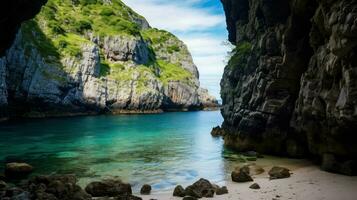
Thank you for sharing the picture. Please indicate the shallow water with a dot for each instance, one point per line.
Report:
(159, 149)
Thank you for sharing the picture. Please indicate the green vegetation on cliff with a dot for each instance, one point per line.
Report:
(64, 27)
(240, 55)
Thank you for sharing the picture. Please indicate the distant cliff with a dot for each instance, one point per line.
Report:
(80, 57)
(291, 85)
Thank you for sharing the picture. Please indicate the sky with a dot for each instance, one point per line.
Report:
(200, 24)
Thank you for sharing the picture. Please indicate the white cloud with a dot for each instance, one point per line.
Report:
(200, 28)
(175, 15)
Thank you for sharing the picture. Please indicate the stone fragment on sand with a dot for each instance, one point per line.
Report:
(241, 176)
(145, 189)
(179, 191)
(254, 186)
(251, 168)
(109, 187)
(201, 188)
(222, 190)
(279, 173)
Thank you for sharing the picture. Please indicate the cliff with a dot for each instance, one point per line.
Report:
(290, 86)
(80, 57)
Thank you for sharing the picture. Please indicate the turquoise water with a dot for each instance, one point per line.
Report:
(159, 149)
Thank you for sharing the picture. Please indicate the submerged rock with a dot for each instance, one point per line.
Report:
(254, 186)
(18, 170)
(145, 189)
(179, 191)
(279, 173)
(109, 187)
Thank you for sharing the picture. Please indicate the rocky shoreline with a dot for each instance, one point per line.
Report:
(15, 184)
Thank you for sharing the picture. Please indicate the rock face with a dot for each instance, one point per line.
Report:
(110, 61)
(290, 85)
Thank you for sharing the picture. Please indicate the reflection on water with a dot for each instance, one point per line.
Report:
(160, 149)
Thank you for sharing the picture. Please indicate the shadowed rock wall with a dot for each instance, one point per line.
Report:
(290, 86)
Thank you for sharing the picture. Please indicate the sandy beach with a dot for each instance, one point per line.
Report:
(307, 182)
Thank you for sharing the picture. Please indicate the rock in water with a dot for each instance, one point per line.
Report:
(217, 131)
(179, 191)
(279, 173)
(145, 189)
(241, 176)
(18, 170)
(254, 186)
(222, 190)
(109, 187)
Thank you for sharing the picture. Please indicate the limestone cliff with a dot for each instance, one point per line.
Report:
(290, 86)
(80, 57)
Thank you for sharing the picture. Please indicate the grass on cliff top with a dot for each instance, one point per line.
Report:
(173, 72)
(78, 16)
(240, 54)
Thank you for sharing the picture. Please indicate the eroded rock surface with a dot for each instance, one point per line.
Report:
(289, 88)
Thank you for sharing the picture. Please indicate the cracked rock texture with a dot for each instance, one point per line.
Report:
(290, 87)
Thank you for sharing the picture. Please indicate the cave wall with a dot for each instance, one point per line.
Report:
(12, 14)
(290, 86)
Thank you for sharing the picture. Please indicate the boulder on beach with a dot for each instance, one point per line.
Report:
(279, 173)
(242, 175)
(255, 186)
(179, 191)
(17, 170)
(109, 187)
(251, 168)
(201, 188)
(145, 189)
(54, 187)
(221, 190)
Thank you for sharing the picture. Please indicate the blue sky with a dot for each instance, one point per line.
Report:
(199, 23)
